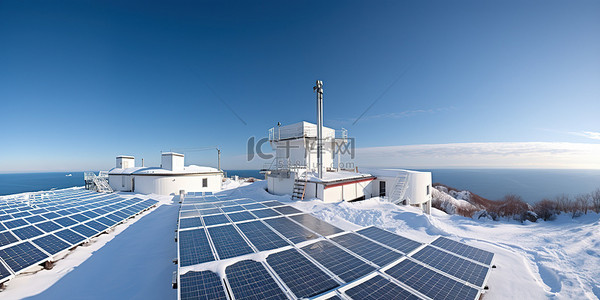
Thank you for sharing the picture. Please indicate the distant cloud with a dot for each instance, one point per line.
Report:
(483, 155)
(588, 134)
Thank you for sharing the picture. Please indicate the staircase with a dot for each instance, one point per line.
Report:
(299, 189)
(399, 189)
(102, 185)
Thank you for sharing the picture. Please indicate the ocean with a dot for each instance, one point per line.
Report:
(532, 185)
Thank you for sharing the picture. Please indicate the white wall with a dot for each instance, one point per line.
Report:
(170, 185)
(124, 162)
(172, 161)
(280, 185)
(120, 183)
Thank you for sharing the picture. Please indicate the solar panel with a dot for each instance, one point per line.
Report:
(15, 223)
(190, 223)
(464, 250)
(96, 225)
(210, 211)
(241, 216)
(253, 206)
(376, 253)
(249, 279)
(84, 230)
(379, 288)
(287, 210)
(429, 282)
(389, 239)
(51, 215)
(4, 272)
(204, 285)
(261, 236)
(193, 247)
(51, 244)
(35, 219)
(21, 255)
(7, 238)
(80, 217)
(228, 242)
(265, 213)
(292, 231)
(321, 227)
(66, 221)
(245, 201)
(106, 221)
(48, 226)
(215, 220)
(232, 208)
(272, 203)
(453, 265)
(70, 236)
(27, 232)
(302, 277)
(341, 263)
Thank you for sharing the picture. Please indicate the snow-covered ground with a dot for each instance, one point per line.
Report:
(556, 259)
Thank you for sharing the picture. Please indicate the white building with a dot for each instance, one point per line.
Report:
(294, 171)
(170, 178)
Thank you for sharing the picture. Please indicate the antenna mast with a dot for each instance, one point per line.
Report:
(319, 89)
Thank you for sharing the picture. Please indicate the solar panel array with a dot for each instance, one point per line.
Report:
(275, 251)
(37, 228)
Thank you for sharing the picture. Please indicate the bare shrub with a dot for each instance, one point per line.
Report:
(466, 211)
(564, 203)
(545, 209)
(582, 204)
(511, 206)
(595, 195)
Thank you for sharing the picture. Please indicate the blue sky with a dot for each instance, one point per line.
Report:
(84, 81)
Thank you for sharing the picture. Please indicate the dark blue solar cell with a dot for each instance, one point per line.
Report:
(15, 223)
(241, 216)
(38, 211)
(232, 208)
(203, 206)
(253, 206)
(7, 238)
(115, 217)
(272, 203)
(250, 280)
(390, 239)
(5, 217)
(215, 220)
(265, 213)
(453, 265)
(228, 242)
(21, 256)
(70, 236)
(204, 285)
(79, 217)
(51, 215)
(48, 226)
(376, 253)
(63, 212)
(51, 244)
(287, 210)
(339, 262)
(96, 225)
(190, 223)
(193, 247)
(35, 219)
(261, 236)
(122, 214)
(27, 232)
(429, 282)
(321, 227)
(379, 288)
(292, 231)
(464, 250)
(303, 277)
(66, 221)
(84, 230)
(106, 221)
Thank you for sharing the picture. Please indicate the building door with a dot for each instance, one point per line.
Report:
(132, 184)
(382, 188)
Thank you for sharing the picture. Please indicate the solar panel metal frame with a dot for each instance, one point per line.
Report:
(261, 286)
(382, 236)
(379, 259)
(451, 246)
(388, 283)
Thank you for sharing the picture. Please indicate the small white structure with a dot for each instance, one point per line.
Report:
(169, 179)
(405, 187)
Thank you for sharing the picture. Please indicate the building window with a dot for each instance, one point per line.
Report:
(382, 188)
(204, 182)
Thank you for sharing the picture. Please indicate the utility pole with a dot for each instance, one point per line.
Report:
(319, 89)
(219, 158)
